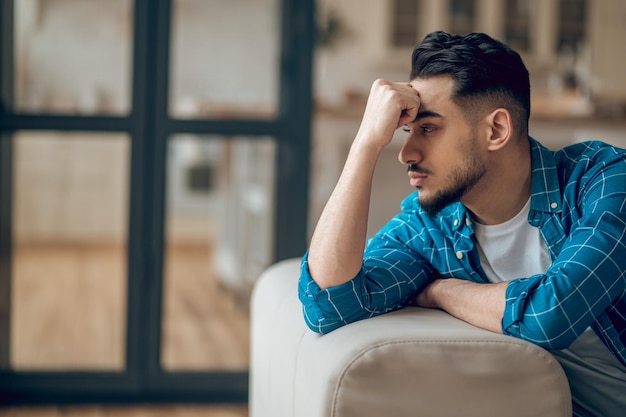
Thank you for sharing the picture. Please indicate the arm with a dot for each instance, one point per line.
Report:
(393, 272)
(585, 279)
(336, 251)
(481, 305)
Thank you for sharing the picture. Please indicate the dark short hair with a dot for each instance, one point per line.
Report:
(486, 72)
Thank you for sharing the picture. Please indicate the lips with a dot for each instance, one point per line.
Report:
(417, 174)
(416, 179)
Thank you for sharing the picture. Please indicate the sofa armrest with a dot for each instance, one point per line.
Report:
(410, 362)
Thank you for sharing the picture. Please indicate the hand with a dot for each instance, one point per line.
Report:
(389, 106)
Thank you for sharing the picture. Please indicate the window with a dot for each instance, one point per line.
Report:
(572, 24)
(461, 16)
(404, 23)
(517, 19)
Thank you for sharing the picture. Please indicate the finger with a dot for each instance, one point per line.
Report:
(409, 112)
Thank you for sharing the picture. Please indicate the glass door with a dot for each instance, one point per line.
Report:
(153, 161)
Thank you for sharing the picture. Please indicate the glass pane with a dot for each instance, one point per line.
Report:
(73, 56)
(219, 238)
(572, 25)
(516, 24)
(573, 53)
(70, 209)
(404, 25)
(461, 16)
(212, 78)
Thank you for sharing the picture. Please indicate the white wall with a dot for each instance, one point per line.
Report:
(225, 56)
(71, 187)
(70, 61)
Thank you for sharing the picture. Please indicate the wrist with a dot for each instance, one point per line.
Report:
(368, 140)
(428, 297)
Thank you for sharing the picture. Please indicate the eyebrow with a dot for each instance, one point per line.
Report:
(426, 113)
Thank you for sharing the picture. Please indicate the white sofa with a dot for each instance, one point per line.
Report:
(412, 362)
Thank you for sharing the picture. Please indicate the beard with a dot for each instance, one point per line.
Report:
(461, 179)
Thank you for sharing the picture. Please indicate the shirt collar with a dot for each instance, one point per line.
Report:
(545, 189)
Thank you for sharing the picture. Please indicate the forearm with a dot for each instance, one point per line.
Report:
(338, 242)
(336, 250)
(481, 305)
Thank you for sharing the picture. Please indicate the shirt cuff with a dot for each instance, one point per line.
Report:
(327, 309)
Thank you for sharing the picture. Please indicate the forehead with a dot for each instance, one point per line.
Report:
(435, 93)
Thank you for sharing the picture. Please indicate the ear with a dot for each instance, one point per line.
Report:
(500, 128)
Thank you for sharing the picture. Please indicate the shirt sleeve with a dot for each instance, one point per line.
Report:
(389, 279)
(587, 276)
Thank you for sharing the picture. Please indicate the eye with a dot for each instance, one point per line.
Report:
(406, 129)
(427, 128)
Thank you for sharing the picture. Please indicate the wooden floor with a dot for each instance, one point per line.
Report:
(117, 411)
(205, 325)
(68, 313)
(69, 310)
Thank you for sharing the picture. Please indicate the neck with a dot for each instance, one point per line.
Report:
(505, 188)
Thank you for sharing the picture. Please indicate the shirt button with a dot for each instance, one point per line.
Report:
(468, 222)
(459, 255)
(554, 205)
(456, 222)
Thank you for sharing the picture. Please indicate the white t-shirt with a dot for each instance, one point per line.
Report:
(513, 249)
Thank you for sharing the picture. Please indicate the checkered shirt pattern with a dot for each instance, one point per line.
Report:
(578, 202)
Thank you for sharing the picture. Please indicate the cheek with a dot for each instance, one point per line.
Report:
(450, 160)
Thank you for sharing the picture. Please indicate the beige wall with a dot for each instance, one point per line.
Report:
(607, 28)
(365, 54)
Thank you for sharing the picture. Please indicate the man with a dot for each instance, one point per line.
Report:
(501, 232)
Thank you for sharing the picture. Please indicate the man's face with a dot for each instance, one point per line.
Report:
(443, 153)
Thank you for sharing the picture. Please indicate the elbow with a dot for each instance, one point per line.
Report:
(559, 335)
(318, 322)
(551, 336)
(535, 312)
(321, 314)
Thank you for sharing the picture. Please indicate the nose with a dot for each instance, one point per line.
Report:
(410, 152)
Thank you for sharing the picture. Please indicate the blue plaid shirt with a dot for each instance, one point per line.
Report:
(578, 202)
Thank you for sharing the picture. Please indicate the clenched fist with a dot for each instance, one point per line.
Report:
(389, 106)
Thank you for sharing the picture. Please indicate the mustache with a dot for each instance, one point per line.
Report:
(418, 169)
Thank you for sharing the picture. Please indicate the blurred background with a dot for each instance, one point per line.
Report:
(158, 155)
